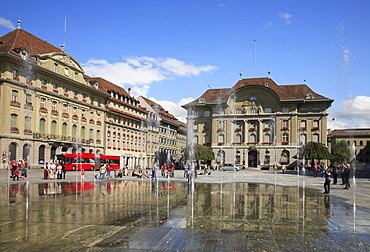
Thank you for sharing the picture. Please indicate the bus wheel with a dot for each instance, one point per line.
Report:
(74, 168)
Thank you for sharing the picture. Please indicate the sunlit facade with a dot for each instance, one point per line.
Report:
(50, 106)
(258, 123)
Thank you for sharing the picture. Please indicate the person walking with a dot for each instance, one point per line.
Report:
(64, 169)
(347, 173)
(186, 170)
(327, 174)
(16, 174)
(46, 171)
(154, 171)
(335, 173)
(82, 174)
(343, 173)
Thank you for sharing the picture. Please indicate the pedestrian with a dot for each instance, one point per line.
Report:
(16, 174)
(82, 174)
(102, 172)
(163, 169)
(186, 170)
(327, 174)
(46, 171)
(64, 169)
(315, 169)
(342, 173)
(154, 171)
(347, 173)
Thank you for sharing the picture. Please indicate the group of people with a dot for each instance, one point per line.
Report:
(54, 170)
(332, 171)
(168, 170)
(18, 169)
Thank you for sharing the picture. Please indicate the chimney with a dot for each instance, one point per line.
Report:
(129, 92)
(19, 24)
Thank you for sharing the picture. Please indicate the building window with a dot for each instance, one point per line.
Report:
(303, 139)
(98, 134)
(42, 103)
(27, 123)
(54, 106)
(28, 100)
(43, 84)
(315, 138)
(253, 138)
(207, 113)
(254, 111)
(221, 139)
(14, 95)
(55, 87)
(83, 132)
(285, 109)
(74, 131)
(53, 127)
(66, 71)
(221, 125)
(268, 110)
(303, 125)
(14, 120)
(65, 106)
(285, 138)
(64, 129)
(15, 74)
(303, 110)
(76, 76)
(315, 124)
(267, 138)
(42, 125)
(285, 124)
(74, 110)
(55, 67)
(238, 138)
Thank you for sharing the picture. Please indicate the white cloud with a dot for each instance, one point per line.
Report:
(139, 71)
(175, 107)
(6, 23)
(352, 113)
(286, 17)
(268, 25)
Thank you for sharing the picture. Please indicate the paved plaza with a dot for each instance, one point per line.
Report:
(249, 210)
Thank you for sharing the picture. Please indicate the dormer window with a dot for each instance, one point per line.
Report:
(309, 96)
(253, 98)
(24, 55)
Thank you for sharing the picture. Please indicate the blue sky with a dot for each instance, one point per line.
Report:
(172, 51)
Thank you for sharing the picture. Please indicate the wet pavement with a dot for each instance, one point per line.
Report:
(250, 210)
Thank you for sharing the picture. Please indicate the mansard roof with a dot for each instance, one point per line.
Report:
(350, 133)
(19, 38)
(284, 92)
(163, 114)
(108, 86)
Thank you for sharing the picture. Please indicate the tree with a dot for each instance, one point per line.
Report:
(312, 151)
(340, 152)
(198, 152)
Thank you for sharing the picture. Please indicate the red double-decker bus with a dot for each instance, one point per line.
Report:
(87, 161)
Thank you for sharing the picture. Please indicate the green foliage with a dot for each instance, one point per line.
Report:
(314, 150)
(340, 152)
(198, 152)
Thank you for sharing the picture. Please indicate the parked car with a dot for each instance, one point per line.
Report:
(229, 167)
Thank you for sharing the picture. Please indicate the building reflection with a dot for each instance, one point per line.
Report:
(54, 209)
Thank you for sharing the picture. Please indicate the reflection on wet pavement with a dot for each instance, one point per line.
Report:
(145, 215)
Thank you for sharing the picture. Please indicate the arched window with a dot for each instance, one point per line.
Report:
(42, 125)
(238, 138)
(13, 151)
(53, 127)
(303, 139)
(14, 95)
(253, 138)
(74, 131)
(91, 134)
(42, 154)
(98, 135)
(83, 132)
(64, 129)
(267, 138)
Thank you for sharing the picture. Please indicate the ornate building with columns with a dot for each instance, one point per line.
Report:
(258, 123)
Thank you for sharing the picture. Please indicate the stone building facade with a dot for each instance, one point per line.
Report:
(48, 105)
(258, 123)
